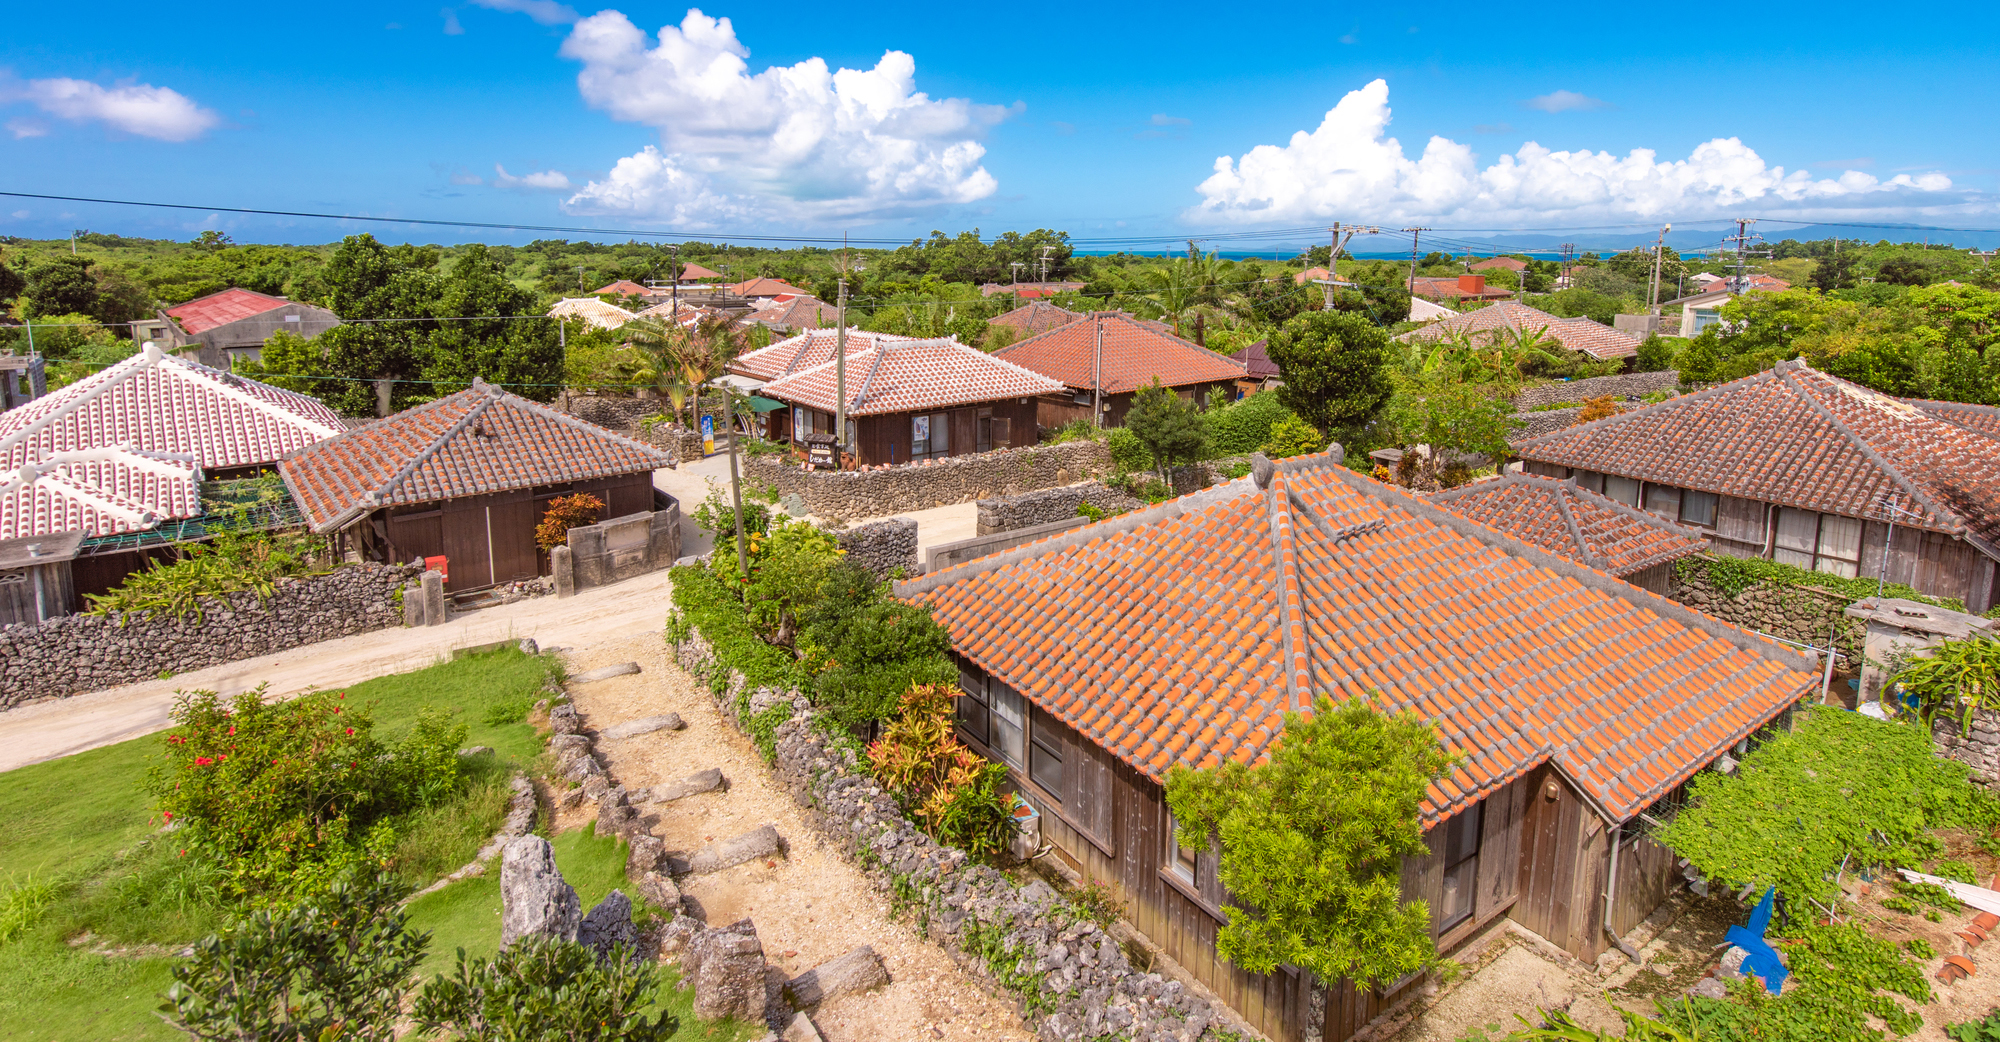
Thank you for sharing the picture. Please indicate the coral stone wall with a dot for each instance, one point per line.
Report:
(853, 495)
(1007, 513)
(882, 546)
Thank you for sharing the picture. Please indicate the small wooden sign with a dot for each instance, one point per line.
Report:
(820, 455)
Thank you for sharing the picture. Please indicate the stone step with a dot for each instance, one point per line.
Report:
(694, 784)
(856, 971)
(643, 725)
(619, 670)
(750, 846)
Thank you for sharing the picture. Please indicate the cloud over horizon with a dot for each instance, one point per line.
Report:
(160, 113)
(1349, 168)
(797, 143)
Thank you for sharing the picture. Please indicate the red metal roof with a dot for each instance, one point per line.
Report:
(477, 441)
(133, 440)
(234, 304)
(1574, 522)
(1798, 437)
(1134, 352)
(1181, 634)
(910, 375)
(1257, 361)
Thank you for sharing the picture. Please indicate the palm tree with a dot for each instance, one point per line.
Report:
(656, 345)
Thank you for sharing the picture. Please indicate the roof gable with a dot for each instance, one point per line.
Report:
(902, 376)
(1573, 522)
(1181, 634)
(477, 441)
(1134, 352)
(1036, 316)
(1801, 438)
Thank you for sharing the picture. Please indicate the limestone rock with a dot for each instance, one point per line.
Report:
(643, 856)
(857, 971)
(643, 725)
(1709, 988)
(563, 743)
(678, 934)
(619, 670)
(534, 898)
(801, 1029)
(727, 968)
(477, 750)
(609, 924)
(704, 781)
(659, 891)
(763, 842)
(563, 719)
(615, 815)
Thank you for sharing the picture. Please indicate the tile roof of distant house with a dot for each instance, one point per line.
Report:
(909, 375)
(1500, 262)
(234, 304)
(1135, 351)
(689, 313)
(798, 311)
(1448, 287)
(1257, 363)
(1036, 316)
(124, 448)
(1800, 438)
(696, 271)
(1577, 334)
(622, 288)
(1573, 522)
(592, 310)
(1310, 275)
(763, 287)
(803, 351)
(1029, 290)
(1182, 633)
(1982, 418)
(477, 441)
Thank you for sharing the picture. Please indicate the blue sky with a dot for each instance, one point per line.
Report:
(1105, 120)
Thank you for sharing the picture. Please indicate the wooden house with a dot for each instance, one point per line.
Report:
(218, 329)
(1106, 357)
(1580, 525)
(466, 477)
(122, 456)
(911, 400)
(1807, 469)
(1095, 660)
(35, 581)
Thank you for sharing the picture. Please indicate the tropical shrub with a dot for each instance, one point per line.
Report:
(864, 648)
(717, 515)
(287, 797)
(787, 567)
(1958, 677)
(1243, 426)
(952, 792)
(1292, 436)
(565, 513)
(541, 989)
(336, 968)
(1128, 453)
(230, 562)
(1599, 408)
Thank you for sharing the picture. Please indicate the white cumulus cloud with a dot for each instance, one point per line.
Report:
(545, 181)
(799, 142)
(138, 108)
(1350, 168)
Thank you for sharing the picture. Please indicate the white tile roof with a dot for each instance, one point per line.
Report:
(124, 449)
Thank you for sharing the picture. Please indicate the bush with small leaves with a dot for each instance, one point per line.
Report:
(542, 989)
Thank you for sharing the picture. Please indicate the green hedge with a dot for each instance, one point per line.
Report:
(703, 601)
(1243, 426)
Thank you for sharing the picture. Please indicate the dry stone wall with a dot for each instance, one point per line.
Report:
(1082, 985)
(1791, 612)
(78, 653)
(1040, 507)
(882, 546)
(853, 495)
(1622, 385)
(1978, 748)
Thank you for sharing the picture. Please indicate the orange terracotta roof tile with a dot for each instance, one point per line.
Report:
(1134, 352)
(1519, 657)
(1577, 334)
(1574, 522)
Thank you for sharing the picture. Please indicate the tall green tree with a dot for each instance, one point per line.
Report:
(1335, 370)
(61, 285)
(516, 348)
(1170, 428)
(1313, 840)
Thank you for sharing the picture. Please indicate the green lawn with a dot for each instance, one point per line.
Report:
(83, 824)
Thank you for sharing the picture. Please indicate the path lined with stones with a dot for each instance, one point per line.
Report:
(775, 922)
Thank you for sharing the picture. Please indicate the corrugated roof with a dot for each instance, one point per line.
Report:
(1134, 352)
(1798, 437)
(1257, 362)
(803, 351)
(1573, 522)
(234, 304)
(1181, 634)
(477, 441)
(910, 375)
(1577, 334)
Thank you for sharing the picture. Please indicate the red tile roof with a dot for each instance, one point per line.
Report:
(1982, 418)
(696, 271)
(477, 441)
(1311, 274)
(799, 311)
(622, 288)
(1500, 262)
(807, 349)
(1134, 352)
(762, 287)
(132, 440)
(1181, 634)
(1577, 334)
(1035, 317)
(1449, 287)
(1798, 437)
(908, 375)
(202, 314)
(1573, 522)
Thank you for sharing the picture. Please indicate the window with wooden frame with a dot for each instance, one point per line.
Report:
(1181, 861)
(1591, 480)
(1045, 757)
(1007, 728)
(1663, 501)
(1461, 867)
(1624, 490)
(930, 436)
(1698, 508)
(974, 711)
(1818, 542)
(985, 437)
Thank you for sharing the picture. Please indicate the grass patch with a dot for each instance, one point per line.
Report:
(82, 827)
(466, 915)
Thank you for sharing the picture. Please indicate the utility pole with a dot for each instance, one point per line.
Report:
(1332, 264)
(1742, 239)
(579, 280)
(735, 480)
(1016, 265)
(1414, 234)
(1985, 257)
(1097, 372)
(1567, 248)
(1045, 265)
(840, 366)
(1659, 249)
(674, 273)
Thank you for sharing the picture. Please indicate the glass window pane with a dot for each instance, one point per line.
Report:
(1698, 508)
(1840, 537)
(973, 717)
(1836, 566)
(920, 435)
(1179, 858)
(1624, 490)
(1456, 905)
(1462, 836)
(1591, 480)
(1007, 729)
(941, 434)
(1664, 500)
(1795, 558)
(1045, 766)
(1798, 530)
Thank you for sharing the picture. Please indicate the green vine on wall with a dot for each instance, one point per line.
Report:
(1733, 575)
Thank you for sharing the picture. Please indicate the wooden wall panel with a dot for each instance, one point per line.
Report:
(1500, 849)
(1647, 873)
